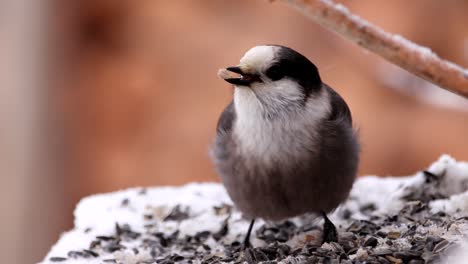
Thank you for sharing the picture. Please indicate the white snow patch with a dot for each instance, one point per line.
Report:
(342, 8)
(460, 256)
(454, 205)
(425, 52)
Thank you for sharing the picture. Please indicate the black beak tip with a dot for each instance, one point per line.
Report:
(237, 81)
(235, 69)
(230, 80)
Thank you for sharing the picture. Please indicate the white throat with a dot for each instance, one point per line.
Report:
(284, 137)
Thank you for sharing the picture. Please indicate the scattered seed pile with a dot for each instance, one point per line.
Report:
(417, 219)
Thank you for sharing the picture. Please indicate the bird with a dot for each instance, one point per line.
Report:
(285, 145)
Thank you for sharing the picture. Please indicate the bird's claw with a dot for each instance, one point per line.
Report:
(330, 234)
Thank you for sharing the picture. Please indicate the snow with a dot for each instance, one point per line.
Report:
(420, 50)
(459, 257)
(343, 9)
(387, 193)
(425, 53)
(453, 205)
(98, 211)
(97, 215)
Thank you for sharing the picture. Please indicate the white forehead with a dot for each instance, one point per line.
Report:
(259, 57)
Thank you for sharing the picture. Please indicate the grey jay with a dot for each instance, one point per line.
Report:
(285, 145)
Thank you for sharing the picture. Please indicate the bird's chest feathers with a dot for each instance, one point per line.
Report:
(277, 129)
(285, 139)
(269, 141)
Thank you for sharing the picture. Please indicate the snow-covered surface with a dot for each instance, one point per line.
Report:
(141, 207)
(386, 193)
(195, 208)
(97, 211)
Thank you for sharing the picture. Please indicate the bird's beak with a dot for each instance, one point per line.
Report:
(245, 78)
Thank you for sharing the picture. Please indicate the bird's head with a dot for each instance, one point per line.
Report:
(276, 76)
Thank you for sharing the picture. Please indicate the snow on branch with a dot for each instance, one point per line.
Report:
(416, 59)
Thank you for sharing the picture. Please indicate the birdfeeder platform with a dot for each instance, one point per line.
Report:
(413, 219)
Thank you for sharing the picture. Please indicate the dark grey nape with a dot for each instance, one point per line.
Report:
(296, 66)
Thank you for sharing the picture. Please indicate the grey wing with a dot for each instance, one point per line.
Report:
(340, 110)
(226, 120)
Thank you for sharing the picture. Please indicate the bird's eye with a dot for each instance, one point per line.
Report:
(274, 73)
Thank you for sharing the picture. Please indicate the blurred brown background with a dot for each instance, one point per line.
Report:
(132, 96)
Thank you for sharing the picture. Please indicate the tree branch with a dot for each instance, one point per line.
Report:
(416, 59)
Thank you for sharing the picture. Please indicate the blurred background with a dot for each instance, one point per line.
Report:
(97, 96)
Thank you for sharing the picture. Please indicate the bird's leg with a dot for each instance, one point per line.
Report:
(246, 243)
(329, 230)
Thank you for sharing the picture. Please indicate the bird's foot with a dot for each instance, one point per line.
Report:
(330, 234)
(246, 244)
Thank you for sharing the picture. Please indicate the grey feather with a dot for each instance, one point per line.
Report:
(226, 120)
